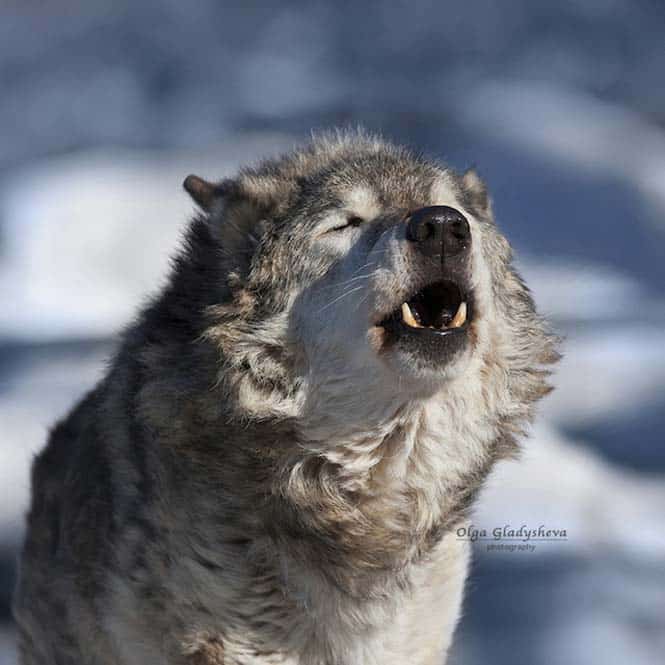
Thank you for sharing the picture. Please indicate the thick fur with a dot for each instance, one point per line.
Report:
(258, 479)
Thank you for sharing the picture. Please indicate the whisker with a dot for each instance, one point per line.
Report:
(344, 295)
(347, 282)
(363, 299)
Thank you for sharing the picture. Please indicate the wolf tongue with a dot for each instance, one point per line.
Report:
(450, 319)
(443, 319)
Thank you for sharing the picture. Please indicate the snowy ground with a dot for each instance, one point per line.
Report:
(566, 127)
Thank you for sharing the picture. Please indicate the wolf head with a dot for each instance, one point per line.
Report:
(361, 280)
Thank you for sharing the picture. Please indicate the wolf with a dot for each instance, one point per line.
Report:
(274, 468)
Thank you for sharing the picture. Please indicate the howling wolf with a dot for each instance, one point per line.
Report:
(276, 463)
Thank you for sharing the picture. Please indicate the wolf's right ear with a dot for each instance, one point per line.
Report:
(238, 214)
(204, 193)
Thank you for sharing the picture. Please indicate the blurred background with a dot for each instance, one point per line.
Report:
(105, 107)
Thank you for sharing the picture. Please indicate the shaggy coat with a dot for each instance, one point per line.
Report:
(266, 475)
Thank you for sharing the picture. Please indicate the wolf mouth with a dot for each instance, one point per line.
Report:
(439, 309)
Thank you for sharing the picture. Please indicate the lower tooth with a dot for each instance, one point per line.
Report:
(408, 317)
(460, 317)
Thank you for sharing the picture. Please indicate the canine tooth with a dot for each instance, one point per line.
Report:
(408, 317)
(460, 316)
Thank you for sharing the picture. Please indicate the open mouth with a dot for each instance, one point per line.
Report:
(440, 308)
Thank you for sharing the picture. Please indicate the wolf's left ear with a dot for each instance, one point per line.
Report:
(475, 191)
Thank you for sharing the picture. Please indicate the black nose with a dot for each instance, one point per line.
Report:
(439, 231)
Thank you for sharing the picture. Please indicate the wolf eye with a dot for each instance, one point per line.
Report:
(351, 221)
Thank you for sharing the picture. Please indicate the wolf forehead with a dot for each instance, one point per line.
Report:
(361, 174)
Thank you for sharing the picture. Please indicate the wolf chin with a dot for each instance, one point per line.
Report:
(274, 468)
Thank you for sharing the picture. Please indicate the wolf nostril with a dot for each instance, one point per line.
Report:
(421, 230)
(458, 233)
(425, 231)
(459, 228)
(414, 229)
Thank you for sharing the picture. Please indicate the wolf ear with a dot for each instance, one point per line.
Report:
(203, 193)
(239, 214)
(476, 192)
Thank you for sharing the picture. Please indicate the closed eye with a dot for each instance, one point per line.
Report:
(351, 221)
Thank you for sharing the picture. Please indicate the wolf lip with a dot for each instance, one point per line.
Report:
(440, 308)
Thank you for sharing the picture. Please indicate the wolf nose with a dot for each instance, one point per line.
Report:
(439, 231)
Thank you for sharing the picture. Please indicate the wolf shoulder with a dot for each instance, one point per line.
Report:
(70, 530)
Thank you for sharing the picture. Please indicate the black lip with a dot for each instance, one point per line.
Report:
(425, 347)
(401, 327)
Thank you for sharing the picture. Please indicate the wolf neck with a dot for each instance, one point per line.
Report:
(361, 501)
(368, 506)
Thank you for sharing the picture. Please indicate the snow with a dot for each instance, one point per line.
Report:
(563, 485)
(581, 130)
(87, 237)
(33, 396)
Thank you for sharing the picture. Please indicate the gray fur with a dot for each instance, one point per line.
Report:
(258, 479)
